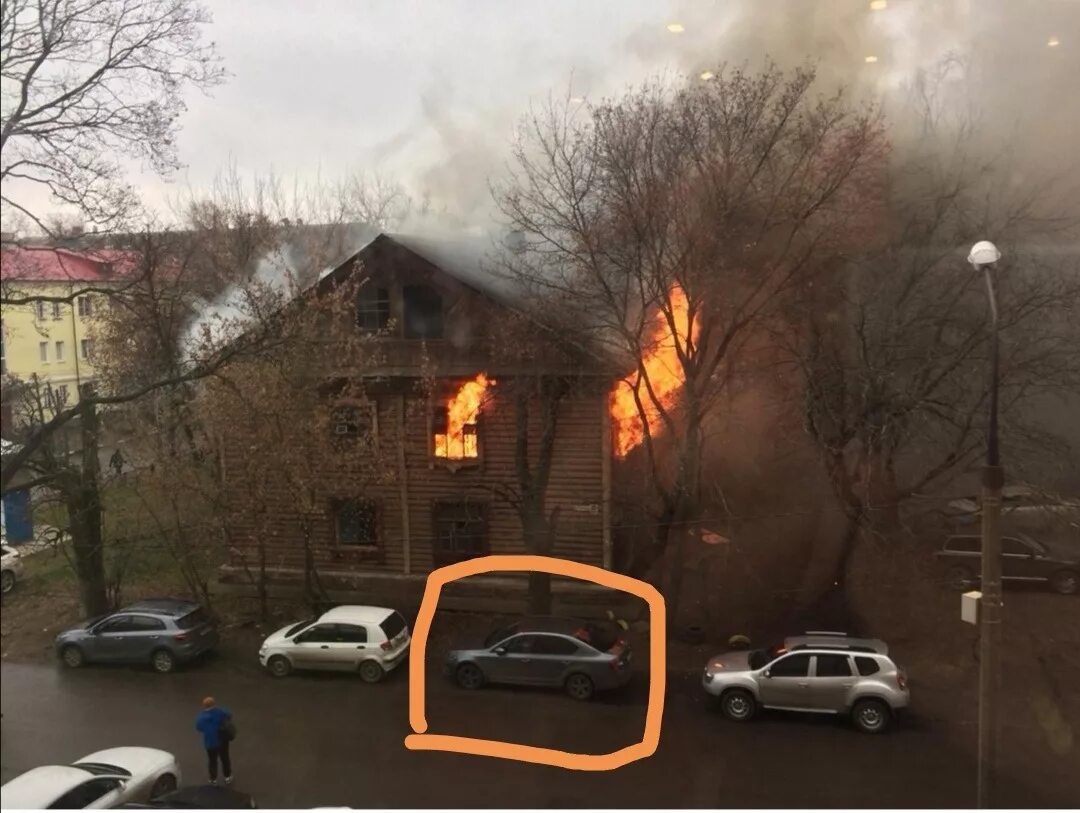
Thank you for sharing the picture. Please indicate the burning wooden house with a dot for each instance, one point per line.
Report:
(460, 426)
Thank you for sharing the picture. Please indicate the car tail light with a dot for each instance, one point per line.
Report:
(901, 679)
(616, 664)
(387, 645)
(180, 636)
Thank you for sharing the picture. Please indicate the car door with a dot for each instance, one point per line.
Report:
(311, 649)
(785, 682)
(349, 647)
(511, 661)
(831, 680)
(144, 634)
(1019, 560)
(107, 641)
(98, 793)
(552, 657)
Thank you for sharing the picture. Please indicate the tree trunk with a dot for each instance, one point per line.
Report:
(83, 500)
(540, 541)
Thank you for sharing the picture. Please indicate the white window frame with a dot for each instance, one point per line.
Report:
(59, 350)
(43, 352)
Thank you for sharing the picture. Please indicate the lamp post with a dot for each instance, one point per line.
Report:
(983, 257)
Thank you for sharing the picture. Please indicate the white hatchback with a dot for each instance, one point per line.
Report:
(351, 638)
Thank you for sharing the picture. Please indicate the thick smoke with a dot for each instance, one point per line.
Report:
(991, 56)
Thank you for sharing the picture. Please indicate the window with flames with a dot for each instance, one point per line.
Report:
(454, 421)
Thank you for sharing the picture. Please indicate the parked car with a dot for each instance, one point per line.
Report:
(198, 797)
(11, 568)
(103, 779)
(351, 638)
(1022, 560)
(824, 673)
(580, 657)
(161, 632)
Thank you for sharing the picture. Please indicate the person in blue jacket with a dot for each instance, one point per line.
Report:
(209, 724)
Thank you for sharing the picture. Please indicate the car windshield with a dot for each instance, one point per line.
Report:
(760, 657)
(192, 619)
(500, 634)
(295, 628)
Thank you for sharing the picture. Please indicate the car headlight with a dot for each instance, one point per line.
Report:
(708, 676)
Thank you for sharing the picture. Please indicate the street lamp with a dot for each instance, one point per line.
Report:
(984, 255)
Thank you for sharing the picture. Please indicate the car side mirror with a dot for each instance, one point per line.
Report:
(766, 673)
(500, 650)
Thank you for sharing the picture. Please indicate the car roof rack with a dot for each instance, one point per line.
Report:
(826, 632)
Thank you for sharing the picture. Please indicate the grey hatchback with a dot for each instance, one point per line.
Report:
(161, 632)
(578, 656)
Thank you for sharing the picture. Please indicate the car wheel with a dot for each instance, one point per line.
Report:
(469, 676)
(72, 656)
(7, 581)
(871, 716)
(371, 672)
(279, 666)
(579, 686)
(163, 661)
(959, 577)
(738, 705)
(1066, 582)
(166, 783)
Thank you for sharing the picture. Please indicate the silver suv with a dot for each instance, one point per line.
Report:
(820, 672)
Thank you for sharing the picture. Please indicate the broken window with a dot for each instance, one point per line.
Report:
(460, 531)
(355, 523)
(373, 309)
(423, 312)
(455, 419)
(350, 421)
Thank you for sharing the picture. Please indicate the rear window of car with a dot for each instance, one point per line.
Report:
(600, 636)
(867, 666)
(193, 619)
(392, 625)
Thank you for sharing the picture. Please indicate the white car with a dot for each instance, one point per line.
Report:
(351, 638)
(11, 568)
(103, 779)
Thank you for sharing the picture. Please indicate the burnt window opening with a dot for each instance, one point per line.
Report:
(350, 421)
(460, 531)
(373, 309)
(463, 445)
(355, 523)
(423, 315)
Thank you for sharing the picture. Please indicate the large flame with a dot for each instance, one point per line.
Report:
(462, 410)
(662, 371)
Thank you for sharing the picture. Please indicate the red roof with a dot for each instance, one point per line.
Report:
(47, 264)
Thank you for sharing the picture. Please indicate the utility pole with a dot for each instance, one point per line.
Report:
(983, 256)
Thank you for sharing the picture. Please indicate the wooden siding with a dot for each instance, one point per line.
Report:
(576, 487)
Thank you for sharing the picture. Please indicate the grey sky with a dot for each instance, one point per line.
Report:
(427, 93)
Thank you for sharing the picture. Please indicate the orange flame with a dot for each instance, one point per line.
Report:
(662, 371)
(462, 410)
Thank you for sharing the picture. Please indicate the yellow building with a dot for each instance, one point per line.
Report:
(54, 340)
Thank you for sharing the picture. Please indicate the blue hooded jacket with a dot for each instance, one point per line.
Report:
(209, 722)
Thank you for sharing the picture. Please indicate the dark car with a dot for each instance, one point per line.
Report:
(578, 656)
(1022, 560)
(198, 797)
(161, 632)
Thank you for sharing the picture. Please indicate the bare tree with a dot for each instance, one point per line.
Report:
(87, 82)
(674, 221)
(891, 349)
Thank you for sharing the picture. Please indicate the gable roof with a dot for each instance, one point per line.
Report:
(49, 264)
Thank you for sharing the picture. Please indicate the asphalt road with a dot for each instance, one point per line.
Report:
(330, 740)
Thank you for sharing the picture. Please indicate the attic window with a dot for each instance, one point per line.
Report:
(373, 309)
(423, 312)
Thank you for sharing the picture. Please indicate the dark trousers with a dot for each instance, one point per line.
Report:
(222, 752)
